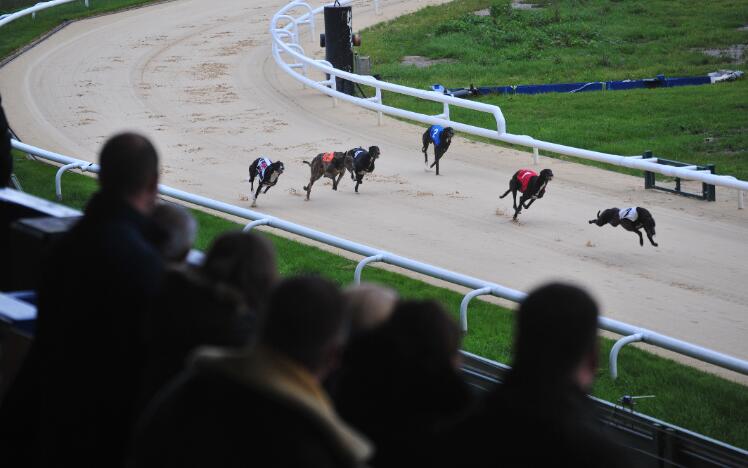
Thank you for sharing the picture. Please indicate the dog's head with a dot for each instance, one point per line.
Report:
(448, 134)
(374, 152)
(279, 167)
(547, 174)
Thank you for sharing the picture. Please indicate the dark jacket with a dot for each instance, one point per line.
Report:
(396, 399)
(246, 409)
(83, 372)
(533, 424)
(190, 311)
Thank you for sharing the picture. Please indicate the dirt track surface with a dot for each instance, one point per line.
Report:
(197, 76)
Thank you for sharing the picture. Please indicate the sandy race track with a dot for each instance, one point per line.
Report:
(197, 76)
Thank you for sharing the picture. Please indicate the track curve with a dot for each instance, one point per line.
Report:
(197, 77)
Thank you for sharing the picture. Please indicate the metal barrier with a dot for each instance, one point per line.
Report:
(478, 286)
(651, 442)
(371, 254)
(32, 10)
(302, 62)
(708, 191)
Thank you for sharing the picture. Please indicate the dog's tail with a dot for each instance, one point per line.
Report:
(598, 213)
(307, 163)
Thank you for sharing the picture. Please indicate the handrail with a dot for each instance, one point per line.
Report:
(31, 10)
(500, 134)
(647, 336)
(374, 254)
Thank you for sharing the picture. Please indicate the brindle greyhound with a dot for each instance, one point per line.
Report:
(330, 165)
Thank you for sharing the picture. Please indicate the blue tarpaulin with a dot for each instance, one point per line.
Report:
(658, 82)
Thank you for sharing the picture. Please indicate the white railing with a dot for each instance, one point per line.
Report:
(630, 333)
(289, 31)
(371, 255)
(5, 19)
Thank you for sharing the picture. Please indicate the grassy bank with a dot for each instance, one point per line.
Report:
(593, 40)
(684, 396)
(27, 29)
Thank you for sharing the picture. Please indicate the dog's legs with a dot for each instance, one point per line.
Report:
(651, 240)
(437, 157)
(514, 200)
(641, 238)
(527, 205)
(425, 140)
(335, 182)
(308, 188)
(251, 183)
(266, 189)
(254, 199)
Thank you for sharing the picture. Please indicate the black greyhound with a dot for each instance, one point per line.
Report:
(267, 171)
(359, 162)
(631, 219)
(444, 140)
(330, 165)
(530, 184)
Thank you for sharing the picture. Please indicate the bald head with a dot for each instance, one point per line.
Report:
(368, 305)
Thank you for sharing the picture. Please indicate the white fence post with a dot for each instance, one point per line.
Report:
(535, 156)
(617, 347)
(372, 254)
(464, 305)
(362, 264)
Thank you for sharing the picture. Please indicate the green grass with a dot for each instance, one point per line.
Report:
(583, 40)
(27, 29)
(684, 396)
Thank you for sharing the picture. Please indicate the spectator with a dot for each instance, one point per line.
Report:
(264, 407)
(543, 399)
(6, 160)
(368, 305)
(96, 286)
(245, 262)
(178, 228)
(399, 383)
(6, 169)
(215, 305)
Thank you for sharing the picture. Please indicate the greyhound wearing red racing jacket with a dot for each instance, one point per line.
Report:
(530, 184)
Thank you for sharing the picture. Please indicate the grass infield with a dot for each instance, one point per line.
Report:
(583, 40)
(684, 396)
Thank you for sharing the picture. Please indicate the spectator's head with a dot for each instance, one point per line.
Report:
(178, 228)
(368, 305)
(305, 321)
(556, 337)
(245, 261)
(129, 170)
(424, 333)
(6, 161)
